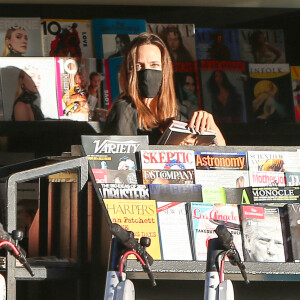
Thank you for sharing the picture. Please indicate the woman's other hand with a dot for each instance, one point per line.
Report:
(202, 121)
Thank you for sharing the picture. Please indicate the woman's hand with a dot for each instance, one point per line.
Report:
(202, 121)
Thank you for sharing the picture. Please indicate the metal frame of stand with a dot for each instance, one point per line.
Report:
(28, 171)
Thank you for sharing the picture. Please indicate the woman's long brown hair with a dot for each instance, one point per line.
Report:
(166, 108)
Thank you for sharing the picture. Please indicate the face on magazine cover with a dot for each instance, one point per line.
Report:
(30, 80)
(263, 243)
(95, 80)
(190, 83)
(16, 41)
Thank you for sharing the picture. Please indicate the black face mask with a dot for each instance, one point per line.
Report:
(149, 82)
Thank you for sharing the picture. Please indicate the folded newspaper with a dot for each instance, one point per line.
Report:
(178, 133)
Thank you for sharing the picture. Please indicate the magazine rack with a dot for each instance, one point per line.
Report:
(195, 270)
(33, 170)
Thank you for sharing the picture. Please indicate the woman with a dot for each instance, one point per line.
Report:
(16, 42)
(24, 108)
(173, 39)
(148, 101)
(227, 105)
(122, 42)
(263, 52)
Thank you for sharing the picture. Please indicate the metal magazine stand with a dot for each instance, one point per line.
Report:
(196, 270)
(33, 170)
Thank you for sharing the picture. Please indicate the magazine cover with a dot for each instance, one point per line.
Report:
(113, 152)
(278, 196)
(67, 38)
(79, 87)
(178, 133)
(293, 229)
(20, 37)
(212, 160)
(138, 216)
(167, 166)
(262, 234)
(205, 217)
(213, 194)
(175, 192)
(116, 45)
(222, 178)
(266, 178)
(174, 231)
(124, 191)
(292, 178)
(29, 80)
(262, 46)
(217, 44)
(270, 92)
(118, 27)
(223, 90)
(102, 175)
(179, 39)
(239, 195)
(273, 161)
(295, 75)
(187, 87)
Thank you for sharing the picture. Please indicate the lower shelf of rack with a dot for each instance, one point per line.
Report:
(55, 271)
(194, 270)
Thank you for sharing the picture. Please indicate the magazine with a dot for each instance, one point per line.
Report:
(213, 195)
(79, 87)
(292, 216)
(179, 39)
(264, 178)
(28, 80)
(212, 160)
(278, 196)
(187, 87)
(205, 218)
(138, 216)
(273, 161)
(176, 192)
(174, 231)
(239, 195)
(265, 46)
(67, 38)
(223, 90)
(295, 75)
(178, 133)
(262, 234)
(270, 92)
(167, 166)
(222, 178)
(124, 191)
(121, 28)
(26, 30)
(292, 178)
(217, 44)
(112, 76)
